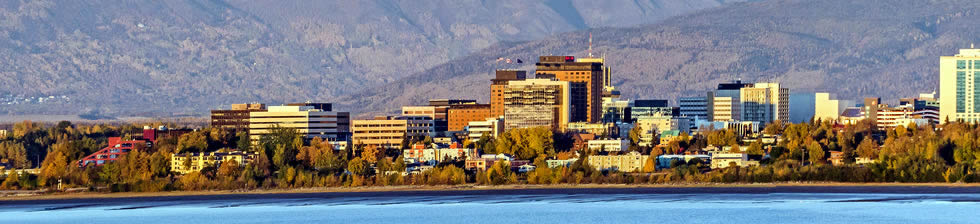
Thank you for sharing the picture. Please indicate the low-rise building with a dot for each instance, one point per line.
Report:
(310, 120)
(609, 145)
(195, 162)
(724, 160)
(116, 149)
(599, 129)
(556, 163)
(420, 153)
(667, 136)
(390, 132)
(491, 127)
(630, 162)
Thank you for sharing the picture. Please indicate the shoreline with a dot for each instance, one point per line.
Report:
(394, 191)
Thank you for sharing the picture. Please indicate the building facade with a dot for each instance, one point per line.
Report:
(630, 162)
(584, 78)
(390, 132)
(306, 120)
(116, 149)
(497, 87)
(959, 86)
(699, 107)
(827, 109)
(535, 103)
(652, 108)
(764, 102)
(235, 119)
(491, 127)
(195, 162)
(461, 115)
(609, 145)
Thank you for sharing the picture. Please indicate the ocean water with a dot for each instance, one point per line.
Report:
(541, 206)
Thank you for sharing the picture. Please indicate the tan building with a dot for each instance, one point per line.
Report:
(195, 162)
(765, 103)
(724, 160)
(390, 132)
(600, 129)
(462, 115)
(237, 118)
(630, 162)
(307, 120)
(535, 103)
(828, 109)
(497, 89)
(585, 80)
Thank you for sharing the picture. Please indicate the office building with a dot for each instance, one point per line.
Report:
(499, 83)
(765, 103)
(461, 115)
(600, 129)
(698, 107)
(827, 109)
(390, 132)
(585, 80)
(235, 119)
(726, 101)
(959, 86)
(652, 108)
(536, 102)
(490, 127)
(615, 110)
(195, 162)
(307, 120)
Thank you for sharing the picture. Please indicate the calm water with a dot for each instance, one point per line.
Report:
(795, 205)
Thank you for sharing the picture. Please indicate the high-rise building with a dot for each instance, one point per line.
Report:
(827, 109)
(726, 101)
(536, 102)
(699, 107)
(235, 119)
(765, 103)
(438, 114)
(499, 83)
(959, 86)
(462, 114)
(307, 120)
(585, 81)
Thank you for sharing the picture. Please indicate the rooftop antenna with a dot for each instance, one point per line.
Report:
(590, 44)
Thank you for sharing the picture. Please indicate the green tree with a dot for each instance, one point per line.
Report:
(194, 141)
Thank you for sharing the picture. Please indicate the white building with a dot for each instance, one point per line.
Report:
(609, 145)
(958, 91)
(724, 160)
(306, 120)
(827, 109)
(492, 127)
(765, 103)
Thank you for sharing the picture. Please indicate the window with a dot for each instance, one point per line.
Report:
(961, 64)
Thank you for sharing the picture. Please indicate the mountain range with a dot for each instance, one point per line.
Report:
(182, 57)
(868, 48)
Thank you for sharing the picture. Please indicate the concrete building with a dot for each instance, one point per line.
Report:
(599, 129)
(235, 119)
(609, 145)
(630, 162)
(116, 149)
(497, 86)
(438, 114)
(959, 91)
(726, 101)
(615, 110)
(764, 102)
(725, 109)
(308, 121)
(195, 162)
(724, 160)
(558, 163)
(462, 114)
(661, 124)
(585, 82)
(827, 109)
(696, 107)
(652, 108)
(742, 128)
(390, 132)
(491, 127)
(536, 103)
(420, 153)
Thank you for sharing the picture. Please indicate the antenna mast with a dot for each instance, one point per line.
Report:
(590, 44)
